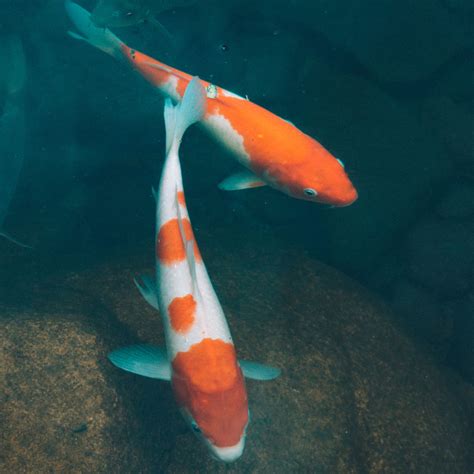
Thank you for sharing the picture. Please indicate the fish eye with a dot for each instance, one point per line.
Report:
(310, 192)
(195, 427)
(340, 162)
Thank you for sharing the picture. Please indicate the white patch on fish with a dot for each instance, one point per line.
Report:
(221, 128)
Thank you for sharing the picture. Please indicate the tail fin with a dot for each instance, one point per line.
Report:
(14, 241)
(170, 122)
(190, 110)
(101, 38)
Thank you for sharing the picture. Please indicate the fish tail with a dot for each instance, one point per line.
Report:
(190, 110)
(101, 38)
(14, 241)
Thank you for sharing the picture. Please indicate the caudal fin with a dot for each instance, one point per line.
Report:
(101, 38)
(14, 241)
(190, 110)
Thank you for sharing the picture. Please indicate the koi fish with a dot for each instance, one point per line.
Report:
(12, 124)
(200, 361)
(274, 151)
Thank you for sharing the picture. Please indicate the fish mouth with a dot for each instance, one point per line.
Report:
(348, 199)
(230, 453)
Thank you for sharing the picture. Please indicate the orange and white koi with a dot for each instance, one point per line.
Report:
(206, 377)
(274, 151)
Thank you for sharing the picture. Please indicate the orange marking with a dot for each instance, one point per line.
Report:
(182, 311)
(209, 384)
(158, 75)
(169, 244)
(181, 198)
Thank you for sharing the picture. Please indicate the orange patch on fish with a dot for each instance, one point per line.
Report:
(182, 312)
(181, 198)
(208, 382)
(254, 124)
(155, 71)
(169, 243)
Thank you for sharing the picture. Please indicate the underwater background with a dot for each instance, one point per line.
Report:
(368, 310)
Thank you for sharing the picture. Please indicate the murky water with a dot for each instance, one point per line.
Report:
(366, 309)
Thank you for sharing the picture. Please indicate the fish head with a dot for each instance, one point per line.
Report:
(318, 178)
(117, 13)
(214, 404)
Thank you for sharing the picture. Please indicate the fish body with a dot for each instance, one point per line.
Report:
(123, 13)
(12, 122)
(206, 378)
(274, 151)
(201, 362)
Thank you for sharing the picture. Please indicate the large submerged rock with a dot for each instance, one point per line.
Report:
(397, 41)
(355, 394)
(442, 255)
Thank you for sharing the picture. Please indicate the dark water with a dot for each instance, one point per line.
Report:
(387, 87)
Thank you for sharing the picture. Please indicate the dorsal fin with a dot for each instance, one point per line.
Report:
(189, 248)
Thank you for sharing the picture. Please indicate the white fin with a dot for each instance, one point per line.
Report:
(253, 370)
(189, 247)
(14, 241)
(161, 28)
(76, 36)
(149, 361)
(148, 290)
(154, 194)
(170, 122)
(239, 181)
(191, 261)
(190, 110)
(101, 38)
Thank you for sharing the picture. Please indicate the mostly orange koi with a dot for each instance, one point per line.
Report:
(274, 151)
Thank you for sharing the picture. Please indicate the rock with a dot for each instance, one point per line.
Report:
(270, 76)
(347, 113)
(397, 41)
(458, 203)
(385, 276)
(461, 6)
(462, 349)
(356, 395)
(420, 312)
(454, 126)
(455, 82)
(64, 409)
(441, 256)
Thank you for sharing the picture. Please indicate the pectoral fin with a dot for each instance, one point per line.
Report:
(149, 361)
(255, 371)
(239, 181)
(147, 288)
(162, 29)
